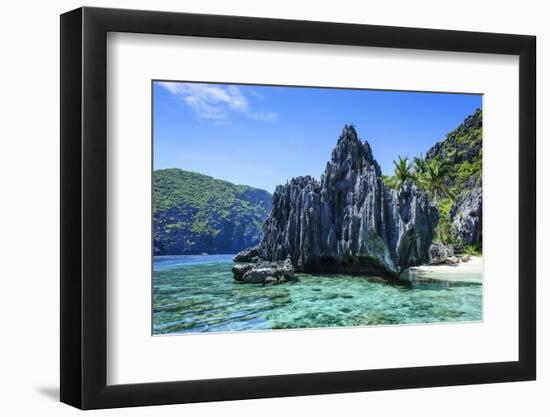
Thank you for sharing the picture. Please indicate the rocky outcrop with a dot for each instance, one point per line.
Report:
(463, 148)
(349, 221)
(258, 271)
(247, 255)
(466, 215)
(464, 144)
(439, 253)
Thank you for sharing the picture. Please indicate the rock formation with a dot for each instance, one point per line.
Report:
(463, 148)
(439, 253)
(257, 271)
(249, 255)
(463, 144)
(466, 215)
(349, 221)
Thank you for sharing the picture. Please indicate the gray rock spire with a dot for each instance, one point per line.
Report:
(349, 221)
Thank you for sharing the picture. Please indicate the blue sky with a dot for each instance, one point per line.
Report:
(264, 135)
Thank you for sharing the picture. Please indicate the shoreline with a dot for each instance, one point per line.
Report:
(467, 272)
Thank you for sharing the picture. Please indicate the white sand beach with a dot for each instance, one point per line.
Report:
(470, 272)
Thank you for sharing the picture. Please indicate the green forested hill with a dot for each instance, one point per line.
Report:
(463, 148)
(461, 216)
(195, 213)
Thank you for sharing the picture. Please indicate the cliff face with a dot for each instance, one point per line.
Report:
(466, 216)
(463, 147)
(195, 213)
(349, 221)
(464, 144)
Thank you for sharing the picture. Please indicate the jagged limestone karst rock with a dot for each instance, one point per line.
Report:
(349, 221)
(463, 148)
(466, 215)
(258, 271)
(247, 255)
(439, 253)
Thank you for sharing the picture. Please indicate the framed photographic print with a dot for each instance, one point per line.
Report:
(258, 207)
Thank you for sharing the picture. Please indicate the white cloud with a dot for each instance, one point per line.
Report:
(265, 116)
(216, 102)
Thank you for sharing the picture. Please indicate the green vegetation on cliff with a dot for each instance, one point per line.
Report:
(195, 213)
(460, 212)
(463, 149)
(452, 173)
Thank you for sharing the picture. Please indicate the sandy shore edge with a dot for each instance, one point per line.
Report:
(471, 272)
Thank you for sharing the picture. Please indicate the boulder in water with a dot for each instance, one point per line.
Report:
(264, 272)
(247, 255)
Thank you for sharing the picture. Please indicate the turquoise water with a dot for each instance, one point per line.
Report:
(198, 294)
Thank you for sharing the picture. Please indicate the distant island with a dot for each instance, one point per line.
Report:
(196, 214)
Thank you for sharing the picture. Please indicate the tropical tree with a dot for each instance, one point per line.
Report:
(419, 167)
(434, 179)
(402, 173)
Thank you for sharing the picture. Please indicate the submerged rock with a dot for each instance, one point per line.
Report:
(349, 221)
(466, 216)
(240, 269)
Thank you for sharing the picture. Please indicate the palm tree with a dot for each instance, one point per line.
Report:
(402, 173)
(434, 179)
(419, 167)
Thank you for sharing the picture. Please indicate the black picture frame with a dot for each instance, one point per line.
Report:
(84, 207)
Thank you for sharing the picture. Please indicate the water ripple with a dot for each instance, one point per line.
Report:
(197, 294)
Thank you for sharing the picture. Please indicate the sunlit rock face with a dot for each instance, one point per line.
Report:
(349, 221)
(466, 215)
(463, 148)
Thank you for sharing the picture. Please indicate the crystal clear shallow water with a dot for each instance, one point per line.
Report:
(198, 294)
